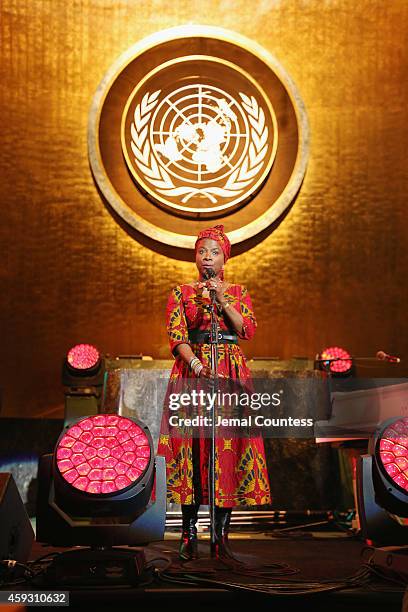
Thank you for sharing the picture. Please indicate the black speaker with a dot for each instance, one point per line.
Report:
(16, 533)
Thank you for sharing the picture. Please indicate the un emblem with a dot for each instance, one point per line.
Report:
(196, 123)
(200, 147)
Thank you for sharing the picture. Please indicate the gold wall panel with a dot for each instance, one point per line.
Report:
(332, 272)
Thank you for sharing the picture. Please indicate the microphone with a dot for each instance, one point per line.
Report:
(207, 274)
(383, 356)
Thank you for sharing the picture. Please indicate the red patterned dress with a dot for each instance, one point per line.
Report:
(241, 472)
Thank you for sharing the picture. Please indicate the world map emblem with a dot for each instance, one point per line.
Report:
(197, 125)
(199, 146)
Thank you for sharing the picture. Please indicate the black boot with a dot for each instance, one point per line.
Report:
(188, 542)
(222, 523)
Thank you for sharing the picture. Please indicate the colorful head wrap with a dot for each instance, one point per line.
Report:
(216, 233)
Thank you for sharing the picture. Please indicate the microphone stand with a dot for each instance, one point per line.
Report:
(214, 388)
(387, 359)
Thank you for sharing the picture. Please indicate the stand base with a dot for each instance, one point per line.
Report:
(213, 563)
(210, 565)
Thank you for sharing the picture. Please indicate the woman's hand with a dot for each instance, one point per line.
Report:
(218, 286)
(199, 369)
(206, 372)
(200, 286)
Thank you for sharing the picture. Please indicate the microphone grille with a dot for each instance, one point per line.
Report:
(208, 273)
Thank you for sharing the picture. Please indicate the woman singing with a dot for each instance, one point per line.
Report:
(241, 478)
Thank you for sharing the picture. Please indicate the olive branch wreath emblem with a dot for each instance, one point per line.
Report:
(158, 176)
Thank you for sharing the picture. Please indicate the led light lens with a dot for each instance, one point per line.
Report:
(83, 356)
(103, 454)
(343, 363)
(393, 447)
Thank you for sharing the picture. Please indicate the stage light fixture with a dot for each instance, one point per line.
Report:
(382, 484)
(95, 490)
(83, 357)
(83, 367)
(335, 360)
(83, 374)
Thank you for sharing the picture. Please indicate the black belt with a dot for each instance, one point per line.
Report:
(199, 336)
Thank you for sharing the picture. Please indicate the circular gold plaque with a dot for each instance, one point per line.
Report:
(195, 124)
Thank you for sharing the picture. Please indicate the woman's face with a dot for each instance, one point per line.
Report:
(209, 254)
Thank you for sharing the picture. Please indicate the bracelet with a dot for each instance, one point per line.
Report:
(195, 366)
(197, 369)
(193, 362)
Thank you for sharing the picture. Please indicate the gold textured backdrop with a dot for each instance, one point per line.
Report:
(334, 270)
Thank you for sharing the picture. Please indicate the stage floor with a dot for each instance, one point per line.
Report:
(313, 556)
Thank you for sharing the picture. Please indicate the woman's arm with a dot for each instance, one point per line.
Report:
(178, 331)
(232, 315)
(186, 354)
(249, 320)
